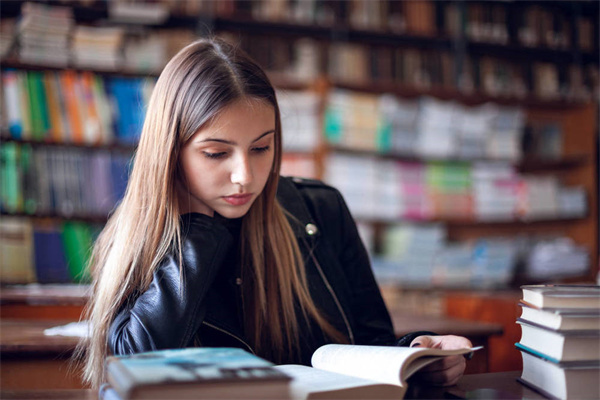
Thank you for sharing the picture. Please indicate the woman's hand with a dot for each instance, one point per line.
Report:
(447, 371)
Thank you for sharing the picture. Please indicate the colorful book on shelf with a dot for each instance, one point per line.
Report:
(50, 263)
(77, 241)
(561, 345)
(16, 251)
(561, 319)
(56, 128)
(11, 194)
(24, 105)
(559, 380)
(191, 373)
(11, 89)
(562, 296)
(71, 106)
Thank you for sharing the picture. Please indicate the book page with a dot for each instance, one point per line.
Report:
(387, 364)
(310, 382)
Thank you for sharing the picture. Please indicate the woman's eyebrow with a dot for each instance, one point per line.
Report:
(234, 143)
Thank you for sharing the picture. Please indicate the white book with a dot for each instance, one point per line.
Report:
(361, 372)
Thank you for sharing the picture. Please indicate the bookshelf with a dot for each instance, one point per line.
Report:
(372, 34)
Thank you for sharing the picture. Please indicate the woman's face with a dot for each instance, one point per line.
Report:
(226, 164)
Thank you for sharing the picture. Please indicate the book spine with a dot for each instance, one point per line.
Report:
(10, 82)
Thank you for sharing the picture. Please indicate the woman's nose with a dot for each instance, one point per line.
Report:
(242, 172)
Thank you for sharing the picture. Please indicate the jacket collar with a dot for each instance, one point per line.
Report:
(291, 200)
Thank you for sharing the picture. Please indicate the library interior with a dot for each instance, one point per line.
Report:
(463, 136)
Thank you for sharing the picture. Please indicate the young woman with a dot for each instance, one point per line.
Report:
(211, 247)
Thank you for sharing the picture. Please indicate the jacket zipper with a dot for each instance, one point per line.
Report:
(230, 334)
(337, 302)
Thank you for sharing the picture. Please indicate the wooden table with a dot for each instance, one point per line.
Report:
(477, 332)
(51, 302)
(500, 385)
(31, 360)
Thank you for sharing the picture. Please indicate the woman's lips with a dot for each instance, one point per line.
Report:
(238, 199)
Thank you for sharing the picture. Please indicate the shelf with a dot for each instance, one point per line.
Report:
(16, 64)
(37, 143)
(470, 222)
(528, 165)
(92, 219)
(470, 99)
(523, 53)
(278, 79)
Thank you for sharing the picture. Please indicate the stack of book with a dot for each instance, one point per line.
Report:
(560, 341)
(558, 257)
(300, 120)
(44, 34)
(98, 47)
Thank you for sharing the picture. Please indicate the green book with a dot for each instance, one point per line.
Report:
(43, 104)
(77, 242)
(37, 124)
(11, 184)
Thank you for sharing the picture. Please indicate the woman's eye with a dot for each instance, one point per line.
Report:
(261, 149)
(214, 155)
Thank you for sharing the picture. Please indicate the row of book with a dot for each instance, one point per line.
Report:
(54, 180)
(304, 59)
(536, 25)
(72, 107)
(396, 190)
(45, 251)
(48, 35)
(560, 340)
(347, 63)
(420, 255)
(425, 127)
(532, 25)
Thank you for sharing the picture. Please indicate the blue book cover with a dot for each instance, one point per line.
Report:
(119, 171)
(187, 371)
(128, 96)
(50, 262)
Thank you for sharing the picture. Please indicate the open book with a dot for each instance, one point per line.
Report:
(359, 372)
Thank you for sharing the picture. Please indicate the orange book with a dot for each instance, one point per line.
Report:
(93, 127)
(55, 117)
(73, 113)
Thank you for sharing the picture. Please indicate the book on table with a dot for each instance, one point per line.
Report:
(339, 371)
(562, 296)
(561, 345)
(193, 373)
(361, 372)
(562, 380)
(561, 319)
(560, 340)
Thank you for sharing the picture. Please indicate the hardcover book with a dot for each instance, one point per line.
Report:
(561, 319)
(194, 373)
(561, 346)
(562, 296)
(563, 380)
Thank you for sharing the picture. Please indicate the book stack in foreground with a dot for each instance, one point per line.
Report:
(560, 340)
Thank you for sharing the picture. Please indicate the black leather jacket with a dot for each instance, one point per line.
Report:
(175, 313)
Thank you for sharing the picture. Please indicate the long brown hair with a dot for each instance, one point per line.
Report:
(193, 88)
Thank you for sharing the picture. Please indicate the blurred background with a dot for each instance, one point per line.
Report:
(462, 134)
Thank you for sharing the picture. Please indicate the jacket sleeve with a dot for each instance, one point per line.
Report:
(374, 325)
(170, 312)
